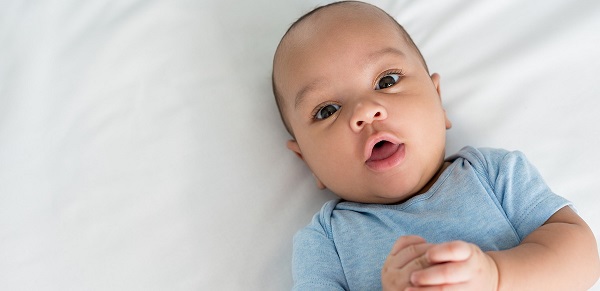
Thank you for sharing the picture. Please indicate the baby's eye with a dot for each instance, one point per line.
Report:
(388, 80)
(327, 111)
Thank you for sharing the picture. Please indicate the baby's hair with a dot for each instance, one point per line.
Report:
(278, 98)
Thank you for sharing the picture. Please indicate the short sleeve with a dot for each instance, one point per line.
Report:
(315, 263)
(525, 198)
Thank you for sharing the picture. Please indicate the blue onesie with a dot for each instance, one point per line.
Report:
(490, 197)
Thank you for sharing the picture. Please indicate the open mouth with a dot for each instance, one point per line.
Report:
(385, 155)
(383, 150)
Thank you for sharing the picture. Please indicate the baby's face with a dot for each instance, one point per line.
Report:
(367, 117)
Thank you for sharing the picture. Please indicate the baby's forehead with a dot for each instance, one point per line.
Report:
(345, 17)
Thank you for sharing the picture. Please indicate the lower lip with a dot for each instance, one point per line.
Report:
(389, 162)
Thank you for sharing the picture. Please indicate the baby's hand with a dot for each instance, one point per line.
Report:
(407, 256)
(456, 265)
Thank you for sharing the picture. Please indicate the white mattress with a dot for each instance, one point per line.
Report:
(141, 149)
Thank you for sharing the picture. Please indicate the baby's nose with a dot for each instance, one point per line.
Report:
(366, 113)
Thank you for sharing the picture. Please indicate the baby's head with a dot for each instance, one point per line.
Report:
(355, 93)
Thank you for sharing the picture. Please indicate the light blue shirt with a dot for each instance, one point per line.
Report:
(490, 197)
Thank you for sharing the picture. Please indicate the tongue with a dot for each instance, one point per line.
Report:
(383, 151)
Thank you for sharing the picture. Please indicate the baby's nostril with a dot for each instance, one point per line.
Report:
(359, 123)
(377, 114)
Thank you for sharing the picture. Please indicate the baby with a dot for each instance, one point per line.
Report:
(366, 116)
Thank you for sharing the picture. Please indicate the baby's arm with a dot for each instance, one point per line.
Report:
(560, 255)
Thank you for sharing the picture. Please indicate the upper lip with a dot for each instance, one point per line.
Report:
(374, 139)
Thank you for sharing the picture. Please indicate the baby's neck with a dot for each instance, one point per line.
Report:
(434, 178)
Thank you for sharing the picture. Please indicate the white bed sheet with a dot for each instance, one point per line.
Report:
(140, 147)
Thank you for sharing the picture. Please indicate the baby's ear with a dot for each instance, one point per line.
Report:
(435, 77)
(320, 184)
(293, 146)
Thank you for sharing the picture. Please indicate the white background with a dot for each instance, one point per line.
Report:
(141, 149)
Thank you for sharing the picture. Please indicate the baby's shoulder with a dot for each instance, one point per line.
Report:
(481, 154)
(321, 221)
(492, 163)
(485, 158)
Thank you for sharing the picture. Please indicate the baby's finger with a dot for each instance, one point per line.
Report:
(442, 274)
(403, 257)
(405, 241)
(418, 263)
(450, 252)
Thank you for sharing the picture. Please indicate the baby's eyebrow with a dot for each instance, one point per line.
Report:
(312, 86)
(387, 50)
